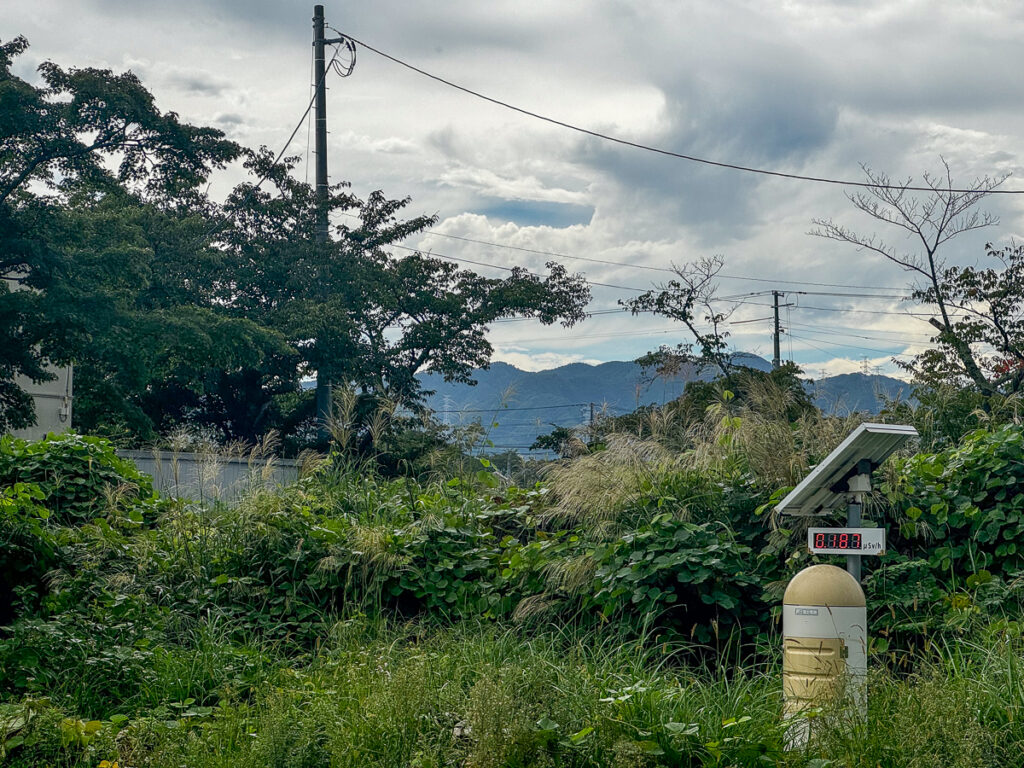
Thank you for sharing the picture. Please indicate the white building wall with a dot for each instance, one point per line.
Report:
(52, 400)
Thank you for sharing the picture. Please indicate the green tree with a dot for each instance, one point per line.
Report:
(68, 147)
(357, 314)
(689, 300)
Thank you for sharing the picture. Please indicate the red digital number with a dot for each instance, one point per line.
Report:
(855, 540)
(844, 541)
(819, 540)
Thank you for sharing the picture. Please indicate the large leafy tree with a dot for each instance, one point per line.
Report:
(101, 232)
(153, 349)
(357, 314)
(176, 309)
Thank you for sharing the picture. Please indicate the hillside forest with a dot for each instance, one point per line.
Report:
(407, 601)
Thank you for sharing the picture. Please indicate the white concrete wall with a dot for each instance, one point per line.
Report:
(209, 477)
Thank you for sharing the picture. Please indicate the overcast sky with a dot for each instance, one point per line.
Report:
(814, 88)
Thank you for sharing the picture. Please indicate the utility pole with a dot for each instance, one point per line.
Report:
(321, 122)
(323, 382)
(777, 358)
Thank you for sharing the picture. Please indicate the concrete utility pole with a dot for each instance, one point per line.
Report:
(777, 358)
(319, 71)
(323, 383)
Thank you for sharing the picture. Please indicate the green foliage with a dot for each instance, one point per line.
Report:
(63, 480)
(62, 238)
(995, 294)
(339, 303)
(212, 635)
(963, 508)
(28, 544)
(179, 310)
(78, 477)
(672, 573)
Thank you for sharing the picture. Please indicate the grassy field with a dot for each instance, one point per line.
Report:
(482, 695)
(356, 620)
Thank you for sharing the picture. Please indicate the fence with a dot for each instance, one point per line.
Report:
(208, 476)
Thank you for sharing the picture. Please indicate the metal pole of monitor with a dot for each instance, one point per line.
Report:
(860, 484)
(853, 510)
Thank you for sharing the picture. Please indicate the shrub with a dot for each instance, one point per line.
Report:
(673, 573)
(963, 508)
(80, 477)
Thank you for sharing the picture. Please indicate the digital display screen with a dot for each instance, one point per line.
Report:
(846, 541)
(837, 541)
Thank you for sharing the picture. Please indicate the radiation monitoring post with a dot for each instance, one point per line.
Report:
(824, 610)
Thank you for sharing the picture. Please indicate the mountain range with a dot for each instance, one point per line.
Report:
(515, 406)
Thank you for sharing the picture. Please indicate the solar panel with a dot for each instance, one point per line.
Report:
(826, 486)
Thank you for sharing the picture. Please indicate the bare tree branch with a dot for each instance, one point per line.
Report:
(932, 219)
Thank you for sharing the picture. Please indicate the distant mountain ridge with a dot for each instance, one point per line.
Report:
(516, 406)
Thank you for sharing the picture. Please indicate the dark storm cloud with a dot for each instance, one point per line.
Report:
(197, 82)
(769, 113)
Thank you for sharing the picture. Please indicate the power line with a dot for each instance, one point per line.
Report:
(504, 410)
(559, 255)
(669, 153)
(852, 346)
(894, 342)
(836, 331)
(855, 311)
(508, 269)
(255, 187)
(610, 262)
(673, 329)
(547, 253)
(850, 295)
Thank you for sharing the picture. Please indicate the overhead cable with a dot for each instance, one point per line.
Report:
(559, 255)
(507, 269)
(669, 153)
(720, 275)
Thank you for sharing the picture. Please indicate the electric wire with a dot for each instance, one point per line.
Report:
(669, 153)
(559, 255)
(853, 346)
(835, 331)
(720, 275)
(507, 269)
(522, 408)
(617, 334)
(854, 311)
(894, 342)
(259, 183)
(309, 123)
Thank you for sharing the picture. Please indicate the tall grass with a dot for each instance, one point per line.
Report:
(482, 695)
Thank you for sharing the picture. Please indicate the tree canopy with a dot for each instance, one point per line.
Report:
(176, 308)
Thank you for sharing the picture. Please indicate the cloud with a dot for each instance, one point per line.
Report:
(229, 118)
(510, 186)
(389, 145)
(804, 86)
(540, 361)
(196, 82)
